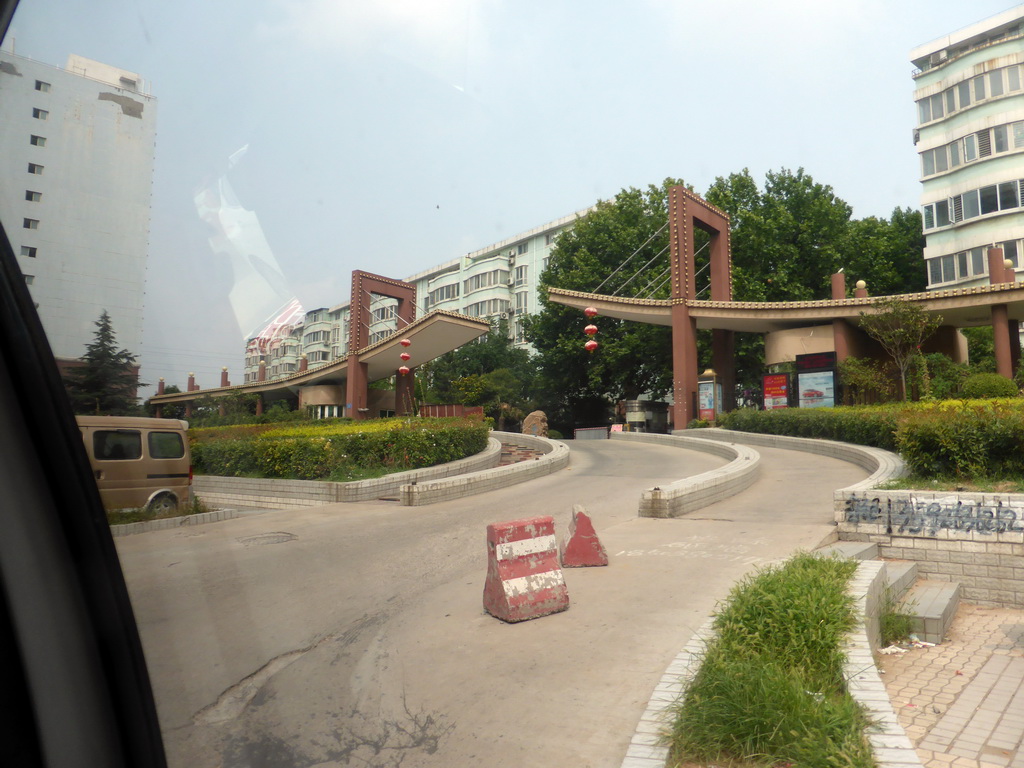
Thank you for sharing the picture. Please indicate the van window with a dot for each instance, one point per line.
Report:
(166, 445)
(117, 444)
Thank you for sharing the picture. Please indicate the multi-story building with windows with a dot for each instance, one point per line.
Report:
(81, 139)
(969, 91)
(499, 281)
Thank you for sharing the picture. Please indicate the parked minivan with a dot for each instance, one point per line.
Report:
(139, 462)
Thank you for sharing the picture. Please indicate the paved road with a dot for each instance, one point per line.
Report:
(353, 635)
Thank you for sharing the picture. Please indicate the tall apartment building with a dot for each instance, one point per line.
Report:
(969, 91)
(499, 281)
(76, 157)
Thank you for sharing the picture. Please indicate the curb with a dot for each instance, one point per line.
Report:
(693, 493)
(127, 529)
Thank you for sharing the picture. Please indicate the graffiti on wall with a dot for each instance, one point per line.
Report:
(927, 518)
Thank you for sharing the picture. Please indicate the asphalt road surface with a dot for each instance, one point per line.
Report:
(354, 635)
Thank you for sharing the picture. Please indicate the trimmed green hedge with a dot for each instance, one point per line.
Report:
(951, 438)
(316, 451)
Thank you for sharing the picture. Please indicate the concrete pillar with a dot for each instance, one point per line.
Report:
(357, 388)
(224, 377)
(840, 328)
(684, 366)
(1000, 316)
(191, 386)
(405, 392)
(188, 410)
(861, 291)
(723, 357)
(303, 363)
(259, 404)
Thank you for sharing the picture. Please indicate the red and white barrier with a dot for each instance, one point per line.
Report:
(524, 579)
(581, 547)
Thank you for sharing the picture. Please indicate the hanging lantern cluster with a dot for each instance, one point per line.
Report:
(405, 356)
(590, 330)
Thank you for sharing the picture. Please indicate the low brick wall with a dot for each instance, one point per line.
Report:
(976, 539)
(286, 494)
(693, 493)
(555, 457)
(126, 529)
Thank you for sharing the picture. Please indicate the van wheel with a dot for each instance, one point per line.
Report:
(163, 505)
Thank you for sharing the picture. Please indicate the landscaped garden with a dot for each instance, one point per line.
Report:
(334, 449)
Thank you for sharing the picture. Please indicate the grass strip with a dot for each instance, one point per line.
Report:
(770, 689)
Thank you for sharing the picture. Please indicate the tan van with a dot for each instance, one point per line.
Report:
(139, 462)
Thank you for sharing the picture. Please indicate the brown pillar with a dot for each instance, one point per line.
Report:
(684, 366)
(1000, 316)
(303, 363)
(356, 388)
(188, 410)
(160, 386)
(259, 404)
(723, 359)
(1014, 332)
(261, 375)
(840, 328)
(191, 386)
(405, 392)
(224, 377)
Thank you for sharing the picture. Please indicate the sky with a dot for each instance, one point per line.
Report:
(393, 135)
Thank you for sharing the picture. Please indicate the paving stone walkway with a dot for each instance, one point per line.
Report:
(962, 702)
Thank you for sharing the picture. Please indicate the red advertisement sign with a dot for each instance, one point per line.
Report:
(776, 390)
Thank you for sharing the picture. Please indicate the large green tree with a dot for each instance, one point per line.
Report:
(106, 382)
(620, 248)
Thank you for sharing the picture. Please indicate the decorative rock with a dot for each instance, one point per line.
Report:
(581, 547)
(536, 424)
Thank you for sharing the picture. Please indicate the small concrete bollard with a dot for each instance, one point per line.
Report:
(581, 547)
(524, 579)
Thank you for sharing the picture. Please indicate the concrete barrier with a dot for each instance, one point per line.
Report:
(556, 457)
(693, 493)
(524, 579)
(581, 548)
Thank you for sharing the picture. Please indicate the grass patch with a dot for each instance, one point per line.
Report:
(915, 482)
(137, 515)
(893, 623)
(771, 689)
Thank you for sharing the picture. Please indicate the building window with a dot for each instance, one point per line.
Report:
(486, 280)
(523, 248)
(33, 197)
(35, 168)
(29, 279)
(30, 223)
(39, 114)
(42, 86)
(444, 293)
(37, 141)
(317, 357)
(522, 301)
(549, 238)
(315, 337)
(521, 276)
(29, 251)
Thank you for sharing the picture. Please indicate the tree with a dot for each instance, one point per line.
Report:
(107, 381)
(619, 248)
(887, 255)
(170, 410)
(901, 328)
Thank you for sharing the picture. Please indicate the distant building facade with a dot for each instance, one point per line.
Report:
(499, 281)
(969, 92)
(81, 142)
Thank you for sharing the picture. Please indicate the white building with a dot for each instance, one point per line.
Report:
(499, 281)
(969, 91)
(81, 142)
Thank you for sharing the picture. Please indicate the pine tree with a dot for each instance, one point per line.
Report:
(107, 382)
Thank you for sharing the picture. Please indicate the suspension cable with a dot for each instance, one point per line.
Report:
(637, 273)
(623, 264)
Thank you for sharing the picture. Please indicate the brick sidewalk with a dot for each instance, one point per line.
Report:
(962, 702)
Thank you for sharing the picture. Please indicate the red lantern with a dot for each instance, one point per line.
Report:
(405, 342)
(403, 370)
(405, 356)
(590, 330)
(590, 312)
(590, 346)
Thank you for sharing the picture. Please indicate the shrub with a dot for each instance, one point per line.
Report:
(317, 450)
(982, 385)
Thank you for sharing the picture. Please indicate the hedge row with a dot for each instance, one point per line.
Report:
(951, 438)
(313, 452)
